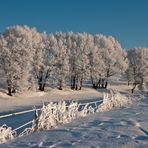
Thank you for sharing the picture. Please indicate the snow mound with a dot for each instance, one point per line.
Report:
(114, 99)
(6, 133)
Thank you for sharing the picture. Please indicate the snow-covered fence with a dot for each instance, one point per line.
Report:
(90, 103)
(54, 114)
(7, 133)
(34, 109)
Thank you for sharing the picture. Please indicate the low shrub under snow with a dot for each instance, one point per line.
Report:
(6, 133)
(114, 99)
(55, 114)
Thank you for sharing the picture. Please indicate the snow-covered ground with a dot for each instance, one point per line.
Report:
(8, 103)
(121, 127)
(19, 101)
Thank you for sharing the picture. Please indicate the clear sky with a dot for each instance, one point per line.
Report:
(126, 20)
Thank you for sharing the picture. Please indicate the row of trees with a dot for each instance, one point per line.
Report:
(29, 59)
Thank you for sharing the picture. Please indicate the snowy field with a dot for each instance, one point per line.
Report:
(29, 99)
(125, 127)
(9, 103)
(119, 127)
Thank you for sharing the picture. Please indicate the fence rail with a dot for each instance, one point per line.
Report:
(18, 113)
(94, 102)
(25, 124)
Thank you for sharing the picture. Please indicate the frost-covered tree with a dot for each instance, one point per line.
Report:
(61, 59)
(43, 59)
(138, 67)
(79, 63)
(82, 61)
(96, 62)
(29, 58)
(16, 57)
(113, 58)
(71, 44)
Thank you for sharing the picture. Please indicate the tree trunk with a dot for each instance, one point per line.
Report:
(77, 81)
(81, 81)
(106, 83)
(128, 83)
(94, 86)
(107, 77)
(134, 86)
(73, 82)
(92, 81)
(40, 87)
(40, 82)
(60, 85)
(43, 87)
(76, 88)
(14, 90)
(9, 84)
(102, 83)
(98, 84)
(9, 91)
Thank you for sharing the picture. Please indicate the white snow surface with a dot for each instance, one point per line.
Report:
(125, 127)
(19, 101)
(117, 128)
(121, 125)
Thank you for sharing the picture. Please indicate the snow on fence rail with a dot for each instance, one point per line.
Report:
(25, 124)
(17, 113)
(93, 102)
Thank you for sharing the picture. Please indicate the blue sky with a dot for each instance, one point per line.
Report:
(126, 20)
